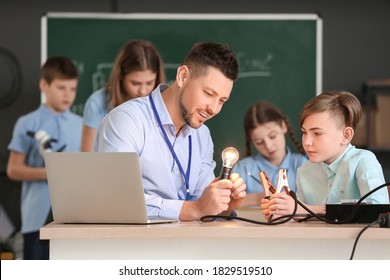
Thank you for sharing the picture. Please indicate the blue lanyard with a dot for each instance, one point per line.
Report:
(186, 175)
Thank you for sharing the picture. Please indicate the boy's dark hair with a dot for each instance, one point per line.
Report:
(59, 67)
(219, 56)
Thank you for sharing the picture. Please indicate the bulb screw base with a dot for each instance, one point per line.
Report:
(225, 172)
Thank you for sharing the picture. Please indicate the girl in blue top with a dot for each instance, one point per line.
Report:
(137, 70)
(265, 129)
(336, 170)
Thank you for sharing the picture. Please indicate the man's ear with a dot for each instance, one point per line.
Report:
(182, 75)
(348, 135)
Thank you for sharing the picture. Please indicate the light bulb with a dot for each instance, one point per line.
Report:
(229, 157)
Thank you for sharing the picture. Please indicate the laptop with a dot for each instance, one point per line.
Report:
(97, 188)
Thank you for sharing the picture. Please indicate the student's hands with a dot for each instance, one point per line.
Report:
(279, 204)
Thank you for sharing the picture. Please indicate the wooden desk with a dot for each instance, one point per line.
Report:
(218, 240)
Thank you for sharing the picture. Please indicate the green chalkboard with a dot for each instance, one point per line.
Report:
(279, 56)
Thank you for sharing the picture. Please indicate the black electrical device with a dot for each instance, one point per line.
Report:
(365, 213)
(384, 219)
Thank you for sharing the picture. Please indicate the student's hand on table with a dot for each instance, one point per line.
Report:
(280, 204)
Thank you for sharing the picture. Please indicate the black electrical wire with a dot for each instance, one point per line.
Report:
(272, 222)
(286, 218)
(353, 212)
(350, 217)
(360, 233)
(321, 217)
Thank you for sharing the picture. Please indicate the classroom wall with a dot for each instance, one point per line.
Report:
(356, 41)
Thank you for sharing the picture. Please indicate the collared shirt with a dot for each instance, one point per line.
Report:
(249, 169)
(133, 127)
(350, 176)
(95, 109)
(66, 129)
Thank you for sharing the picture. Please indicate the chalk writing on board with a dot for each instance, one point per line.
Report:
(103, 70)
(249, 67)
(254, 67)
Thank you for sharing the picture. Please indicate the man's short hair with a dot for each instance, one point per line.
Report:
(219, 56)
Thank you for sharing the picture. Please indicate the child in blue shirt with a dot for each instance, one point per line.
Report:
(265, 128)
(137, 70)
(53, 120)
(336, 170)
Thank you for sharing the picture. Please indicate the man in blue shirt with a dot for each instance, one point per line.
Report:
(167, 131)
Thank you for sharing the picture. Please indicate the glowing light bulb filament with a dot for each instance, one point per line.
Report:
(229, 157)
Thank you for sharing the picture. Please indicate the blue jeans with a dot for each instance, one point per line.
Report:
(34, 248)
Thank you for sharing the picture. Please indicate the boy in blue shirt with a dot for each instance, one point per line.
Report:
(336, 170)
(54, 122)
